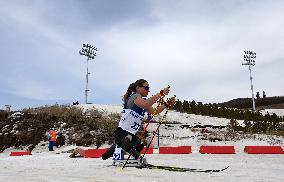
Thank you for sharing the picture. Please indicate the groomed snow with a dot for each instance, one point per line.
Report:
(59, 167)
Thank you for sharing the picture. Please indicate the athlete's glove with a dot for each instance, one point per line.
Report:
(170, 102)
(165, 91)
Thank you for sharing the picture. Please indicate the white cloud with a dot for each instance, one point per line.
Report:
(197, 47)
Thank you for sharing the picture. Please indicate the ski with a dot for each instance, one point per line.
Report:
(167, 168)
(120, 163)
(181, 169)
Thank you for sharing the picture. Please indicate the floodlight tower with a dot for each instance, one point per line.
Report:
(249, 59)
(90, 52)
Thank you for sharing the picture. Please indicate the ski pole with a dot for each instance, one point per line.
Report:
(151, 117)
(155, 132)
(160, 102)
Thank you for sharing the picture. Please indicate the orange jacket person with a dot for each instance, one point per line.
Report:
(51, 139)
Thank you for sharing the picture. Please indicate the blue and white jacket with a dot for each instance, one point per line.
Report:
(132, 115)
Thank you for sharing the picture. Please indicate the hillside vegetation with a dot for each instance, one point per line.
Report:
(74, 126)
(254, 122)
(28, 127)
(276, 102)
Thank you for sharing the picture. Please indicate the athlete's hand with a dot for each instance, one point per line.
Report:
(170, 102)
(165, 91)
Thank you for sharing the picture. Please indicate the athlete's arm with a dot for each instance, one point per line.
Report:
(146, 104)
(151, 110)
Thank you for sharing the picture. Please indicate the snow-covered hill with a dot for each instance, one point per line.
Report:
(278, 112)
(180, 129)
(185, 129)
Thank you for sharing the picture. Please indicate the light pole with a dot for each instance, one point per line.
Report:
(249, 59)
(90, 52)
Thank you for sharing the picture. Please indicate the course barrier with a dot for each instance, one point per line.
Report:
(97, 153)
(217, 150)
(21, 153)
(263, 150)
(93, 153)
(149, 151)
(175, 150)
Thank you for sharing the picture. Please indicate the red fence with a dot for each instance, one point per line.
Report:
(93, 153)
(20, 153)
(175, 150)
(217, 150)
(149, 151)
(263, 150)
(97, 153)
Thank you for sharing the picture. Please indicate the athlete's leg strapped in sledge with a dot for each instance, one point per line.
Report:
(127, 142)
(127, 145)
(134, 146)
(109, 152)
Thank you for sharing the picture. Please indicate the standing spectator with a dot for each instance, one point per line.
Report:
(263, 94)
(51, 139)
(257, 95)
(76, 103)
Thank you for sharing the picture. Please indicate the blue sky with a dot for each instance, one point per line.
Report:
(194, 46)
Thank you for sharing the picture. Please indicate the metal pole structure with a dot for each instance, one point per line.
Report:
(158, 138)
(252, 92)
(87, 82)
(89, 52)
(249, 58)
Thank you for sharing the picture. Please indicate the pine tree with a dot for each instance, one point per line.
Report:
(178, 106)
(193, 107)
(185, 106)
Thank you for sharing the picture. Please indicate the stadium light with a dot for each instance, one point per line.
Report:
(90, 52)
(249, 60)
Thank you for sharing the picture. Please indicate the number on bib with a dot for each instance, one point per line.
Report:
(136, 126)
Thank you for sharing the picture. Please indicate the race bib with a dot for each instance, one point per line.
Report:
(130, 121)
(117, 154)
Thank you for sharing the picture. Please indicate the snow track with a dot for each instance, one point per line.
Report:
(59, 167)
